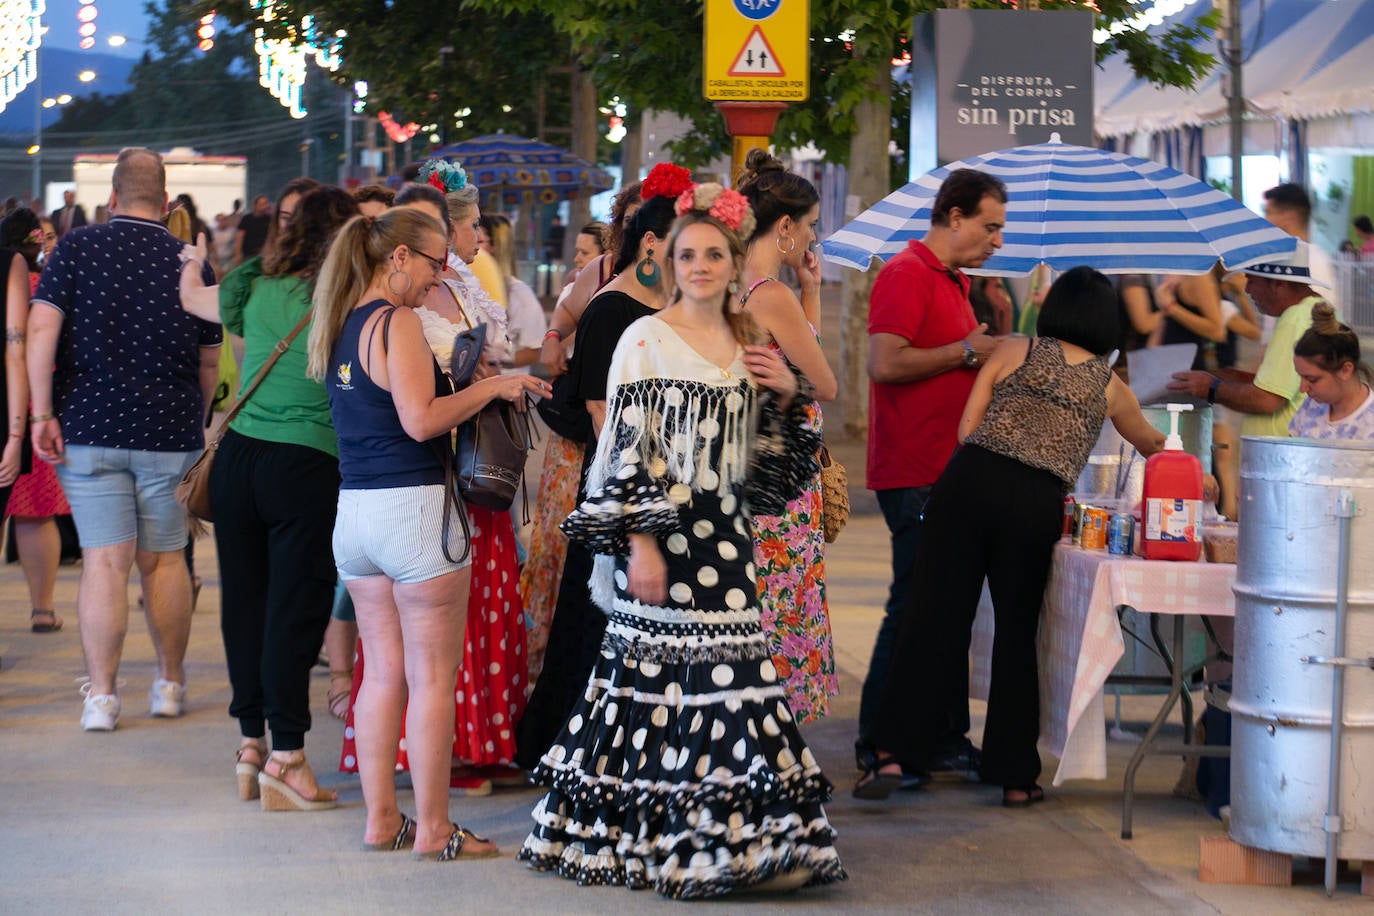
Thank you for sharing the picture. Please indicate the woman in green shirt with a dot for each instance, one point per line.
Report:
(274, 488)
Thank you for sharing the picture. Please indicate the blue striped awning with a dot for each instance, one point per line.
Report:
(1070, 205)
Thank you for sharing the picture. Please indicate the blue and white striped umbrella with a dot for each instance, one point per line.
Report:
(1069, 205)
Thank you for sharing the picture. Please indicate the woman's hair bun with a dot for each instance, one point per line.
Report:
(1324, 320)
(759, 161)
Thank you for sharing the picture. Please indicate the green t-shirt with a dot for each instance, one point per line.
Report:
(288, 407)
(1276, 373)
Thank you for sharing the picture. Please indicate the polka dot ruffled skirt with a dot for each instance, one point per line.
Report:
(681, 768)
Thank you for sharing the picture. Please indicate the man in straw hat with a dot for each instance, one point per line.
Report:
(1269, 398)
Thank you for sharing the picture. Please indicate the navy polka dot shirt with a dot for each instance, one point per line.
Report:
(128, 358)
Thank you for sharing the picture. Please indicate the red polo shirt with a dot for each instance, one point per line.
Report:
(913, 426)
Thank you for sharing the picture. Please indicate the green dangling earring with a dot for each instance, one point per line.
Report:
(646, 271)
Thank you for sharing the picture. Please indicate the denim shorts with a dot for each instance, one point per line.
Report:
(125, 494)
(397, 533)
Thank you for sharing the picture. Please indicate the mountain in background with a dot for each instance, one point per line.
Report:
(57, 70)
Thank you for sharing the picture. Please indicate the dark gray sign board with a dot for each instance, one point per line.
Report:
(985, 80)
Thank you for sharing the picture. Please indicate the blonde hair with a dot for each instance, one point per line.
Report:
(179, 224)
(502, 241)
(356, 255)
(742, 324)
(461, 203)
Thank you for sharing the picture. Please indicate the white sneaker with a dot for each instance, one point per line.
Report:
(99, 712)
(165, 698)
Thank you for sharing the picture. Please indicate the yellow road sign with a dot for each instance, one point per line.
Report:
(756, 50)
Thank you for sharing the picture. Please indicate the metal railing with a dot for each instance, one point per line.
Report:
(1355, 293)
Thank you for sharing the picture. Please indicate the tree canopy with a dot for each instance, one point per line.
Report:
(650, 57)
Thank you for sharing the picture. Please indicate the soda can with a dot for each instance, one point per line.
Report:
(1077, 535)
(1094, 529)
(1069, 504)
(1121, 534)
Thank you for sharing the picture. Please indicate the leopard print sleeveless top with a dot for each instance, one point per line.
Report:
(1047, 414)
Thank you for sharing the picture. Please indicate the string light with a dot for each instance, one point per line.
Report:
(282, 62)
(398, 133)
(85, 15)
(1155, 15)
(20, 36)
(206, 32)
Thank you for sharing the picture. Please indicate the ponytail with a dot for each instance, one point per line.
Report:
(355, 256)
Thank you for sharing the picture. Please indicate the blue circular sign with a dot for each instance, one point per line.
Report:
(757, 9)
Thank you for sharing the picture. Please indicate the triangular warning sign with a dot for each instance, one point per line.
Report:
(756, 58)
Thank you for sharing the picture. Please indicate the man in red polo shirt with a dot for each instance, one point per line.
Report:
(924, 350)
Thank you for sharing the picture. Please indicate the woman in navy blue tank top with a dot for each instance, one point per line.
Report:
(366, 345)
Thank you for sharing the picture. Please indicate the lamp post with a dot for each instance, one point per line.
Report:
(36, 151)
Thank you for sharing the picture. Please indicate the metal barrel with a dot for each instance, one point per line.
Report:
(1292, 493)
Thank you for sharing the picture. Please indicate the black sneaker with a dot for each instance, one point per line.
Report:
(964, 761)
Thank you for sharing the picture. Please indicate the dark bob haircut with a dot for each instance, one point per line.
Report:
(1081, 308)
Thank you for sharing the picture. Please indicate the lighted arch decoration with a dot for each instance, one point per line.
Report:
(20, 36)
(282, 62)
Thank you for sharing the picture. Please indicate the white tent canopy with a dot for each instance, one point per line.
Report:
(1304, 59)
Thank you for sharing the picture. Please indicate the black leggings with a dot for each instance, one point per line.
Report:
(274, 507)
(990, 517)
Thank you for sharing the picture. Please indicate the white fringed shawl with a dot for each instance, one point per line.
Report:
(665, 399)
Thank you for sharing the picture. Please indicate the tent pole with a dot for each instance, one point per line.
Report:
(1236, 102)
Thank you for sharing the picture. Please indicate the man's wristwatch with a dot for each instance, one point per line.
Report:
(970, 354)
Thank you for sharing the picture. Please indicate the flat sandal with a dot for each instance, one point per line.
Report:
(404, 838)
(453, 849)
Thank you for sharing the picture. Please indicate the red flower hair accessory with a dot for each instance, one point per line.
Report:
(665, 180)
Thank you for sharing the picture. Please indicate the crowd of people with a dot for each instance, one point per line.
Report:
(652, 652)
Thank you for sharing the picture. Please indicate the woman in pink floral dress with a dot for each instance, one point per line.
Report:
(789, 549)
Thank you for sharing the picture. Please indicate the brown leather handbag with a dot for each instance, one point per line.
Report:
(194, 490)
(489, 460)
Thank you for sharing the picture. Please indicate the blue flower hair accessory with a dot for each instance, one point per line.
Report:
(446, 176)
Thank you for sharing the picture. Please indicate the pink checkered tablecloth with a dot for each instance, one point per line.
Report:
(1080, 640)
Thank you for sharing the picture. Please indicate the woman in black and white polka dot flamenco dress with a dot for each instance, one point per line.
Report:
(680, 768)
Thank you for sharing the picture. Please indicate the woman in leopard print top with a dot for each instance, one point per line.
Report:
(1031, 421)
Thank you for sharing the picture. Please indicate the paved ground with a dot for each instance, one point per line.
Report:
(146, 819)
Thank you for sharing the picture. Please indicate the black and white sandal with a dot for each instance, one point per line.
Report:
(404, 838)
(453, 849)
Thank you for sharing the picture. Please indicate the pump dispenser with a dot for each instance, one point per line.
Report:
(1173, 499)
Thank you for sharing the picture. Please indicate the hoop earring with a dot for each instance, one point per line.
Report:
(646, 271)
(393, 290)
(791, 245)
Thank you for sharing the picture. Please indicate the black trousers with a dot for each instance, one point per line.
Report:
(274, 507)
(990, 517)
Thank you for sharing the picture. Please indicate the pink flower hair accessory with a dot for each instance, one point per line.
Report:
(728, 206)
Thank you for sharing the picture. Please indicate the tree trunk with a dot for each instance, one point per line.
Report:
(868, 179)
(632, 146)
(584, 119)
